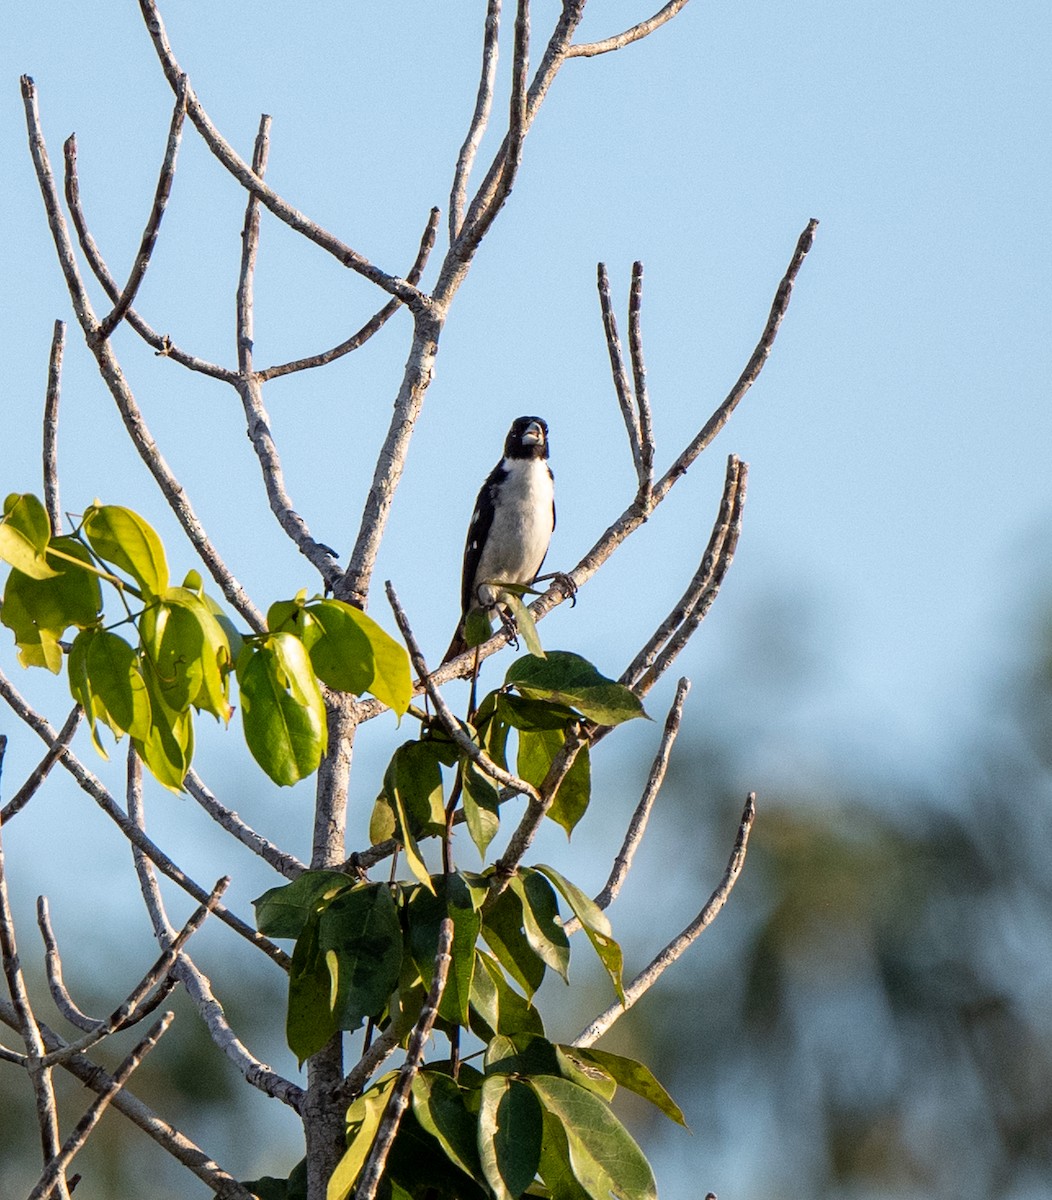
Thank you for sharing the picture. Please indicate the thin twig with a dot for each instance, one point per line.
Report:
(243, 173)
(40, 772)
(40, 1075)
(590, 49)
(171, 488)
(153, 221)
(375, 322)
(134, 1008)
(399, 1098)
(170, 1139)
(479, 119)
(672, 634)
(617, 368)
(287, 864)
(162, 344)
(94, 788)
(639, 383)
(51, 400)
(53, 965)
(380, 1050)
(75, 1142)
(638, 825)
(198, 985)
(646, 979)
(752, 369)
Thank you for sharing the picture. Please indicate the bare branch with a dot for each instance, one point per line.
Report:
(225, 1186)
(675, 631)
(75, 1142)
(90, 784)
(197, 984)
(287, 864)
(617, 367)
(646, 979)
(53, 965)
(375, 322)
(635, 34)
(153, 221)
(51, 399)
(380, 1050)
(399, 1099)
(170, 487)
(752, 369)
(251, 392)
(489, 201)
(639, 383)
(161, 343)
(40, 1076)
(41, 771)
(638, 825)
(243, 173)
(479, 119)
(134, 1008)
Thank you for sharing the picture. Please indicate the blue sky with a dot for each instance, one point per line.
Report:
(900, 500)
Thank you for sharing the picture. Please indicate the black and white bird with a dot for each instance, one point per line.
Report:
(512, 523)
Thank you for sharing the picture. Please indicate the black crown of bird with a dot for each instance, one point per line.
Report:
(511, 525)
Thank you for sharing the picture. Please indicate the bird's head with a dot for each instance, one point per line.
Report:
(527, 438)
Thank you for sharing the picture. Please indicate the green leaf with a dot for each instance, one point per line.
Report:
(168, 748)
(425, 912)
(478, 627)
(603, 1157)
(525, 622)
(357, 655)
(572, 680)
(555, 1167)
(106, 681)
(39, 611)
(293, 1188)
(24, 535)
(189, 651)
(537, 752)
(121, 537)
(440, 1106)
(509, 1135)
(532, 715)
(502, 929)
(524, 1053)
(310, 1022)
(361, 937)
(496, 1007)
(481, 806)
(282, 709)
(414, 775)
(540, 916)
(363, 1120)
(635, 1077)
(282, 912)
(596, 926)
(588, 1074)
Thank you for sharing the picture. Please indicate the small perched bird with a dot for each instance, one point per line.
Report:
(512, 523)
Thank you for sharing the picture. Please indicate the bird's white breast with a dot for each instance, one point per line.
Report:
(523, 519)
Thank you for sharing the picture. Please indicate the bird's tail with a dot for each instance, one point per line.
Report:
(457, 646)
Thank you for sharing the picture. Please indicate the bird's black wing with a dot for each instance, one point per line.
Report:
(478, 531)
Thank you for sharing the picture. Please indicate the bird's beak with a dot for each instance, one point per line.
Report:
(534, 435)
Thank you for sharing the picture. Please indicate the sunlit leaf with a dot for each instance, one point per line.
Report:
(509, 1135)
(129, 543)
(357, 655)
(595, 924)
(497, 1005)
(540, 915)
(363, 1120)
(502, 929)
(481, 807)
(24, 534)
(537, 751)
(112, 666)
(604, 1158)
(525, 623)
(282, 912)
(570, 679)
(282, 709)
(634, 1076)
(310, 1022)
(168, 748)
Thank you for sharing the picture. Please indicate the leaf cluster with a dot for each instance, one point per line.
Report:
(172, 652)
